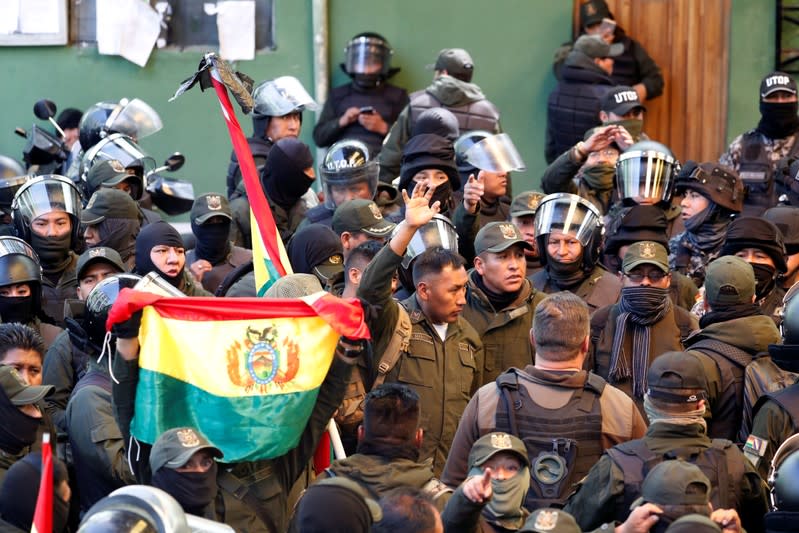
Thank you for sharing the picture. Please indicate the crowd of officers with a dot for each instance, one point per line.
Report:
(614, 352)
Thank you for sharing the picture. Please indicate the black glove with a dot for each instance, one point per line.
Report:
(128, 329)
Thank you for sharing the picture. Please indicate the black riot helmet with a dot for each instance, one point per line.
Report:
(45, 194)
(20, 264)
(720, 184)
(783, 473)
(439, 232)
(347, 164)
(568, 213)
(134, 118)
(99, 302)
(119, 147)
(786, 354)
(368, 60)
(645, 173)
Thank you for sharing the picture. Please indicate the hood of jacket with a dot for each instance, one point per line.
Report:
(454, 92)
(381, 474)
(751, 334)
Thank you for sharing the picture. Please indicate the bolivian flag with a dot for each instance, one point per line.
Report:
(244, 371)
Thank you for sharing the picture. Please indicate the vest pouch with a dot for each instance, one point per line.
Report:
(552, 462)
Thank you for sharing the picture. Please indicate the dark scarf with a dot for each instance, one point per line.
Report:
(565, 275)
(598, 177)
(498, 300)
(18, 430)
(213, 241)
(729, 312)
(765, 278)
(283, 178)
(53, 253)
(17, 308)
(194, 491)
(641, 307)
(778, 119)
(119, 234)
(705, 231)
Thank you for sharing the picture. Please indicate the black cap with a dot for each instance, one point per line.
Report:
(755, 232)
(69, 118)
(777, 81)
(428, 151)
(99, 254)
(786, 218)
(457, 62)
(210, 205)
(677, 377)
(621, 100)
(593, 11)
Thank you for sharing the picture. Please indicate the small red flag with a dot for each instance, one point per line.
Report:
(43, 517)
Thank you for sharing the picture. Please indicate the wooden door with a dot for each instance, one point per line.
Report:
(688, 39)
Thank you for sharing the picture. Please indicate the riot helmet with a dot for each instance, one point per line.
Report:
(19, 264)
(786, 218)
(44, 194)
(720, 184)
(135, 118)
(785, 355)
(172, 196)
(136, 508)
(570, 214)
(348, 172)
(439, 232)
(122, 148)
(645, 173)
(280, 97)
(368, 60)
(783, 473)
(495, 153)
(462, 145)
(12, 177)
(99, 302)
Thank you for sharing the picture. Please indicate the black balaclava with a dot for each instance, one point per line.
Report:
(119, 234)
(311, 246)
(213, 239)
(19, 309)
(155, 234)
(283, 178)
(194, 491)
(17, 430)
(20, 492)
(765, 279)
(778, 119)
(53, 251)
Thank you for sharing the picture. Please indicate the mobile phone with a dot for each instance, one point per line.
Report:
(367, 109)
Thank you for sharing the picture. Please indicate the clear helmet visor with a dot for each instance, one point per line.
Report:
(10, 168)
(45, 194)
(120, 147)
(349, 183)
(16, 246)
(567, 213)
(495, 153)
(367, 55)
(647, 177)
(134, 118)
(8, 189)
(280, 97)
(438, 232)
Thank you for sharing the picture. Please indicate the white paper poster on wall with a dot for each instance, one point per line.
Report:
(128, 28)
(235, 23)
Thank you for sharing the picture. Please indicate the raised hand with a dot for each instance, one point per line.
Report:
(418, 210)
(478, 488)
(472, 192)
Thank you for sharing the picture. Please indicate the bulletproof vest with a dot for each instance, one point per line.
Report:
(787, 399)
(478, 115)
(260, 148)
(573, 109)
(723, 468)
(387, 100)
(757, 174)
(562, 444)
(731, 362)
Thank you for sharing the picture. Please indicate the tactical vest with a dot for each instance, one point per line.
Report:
(757, 174)
(260, 148)
(477, 115)
(562, 444)
(719, 463)
(731, 362)
(787, 399)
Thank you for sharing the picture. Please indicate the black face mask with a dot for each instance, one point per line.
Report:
(443, 194)
(367, 81)
(193, 490)
(17, 309)
(152, 235)
(213, 241)
(565, 274)
(53, 251)
(18, 430)
(778, 120)
(765, 279)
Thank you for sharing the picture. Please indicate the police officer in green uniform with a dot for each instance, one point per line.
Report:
(443, 361)
(674, 404)
(569, 233)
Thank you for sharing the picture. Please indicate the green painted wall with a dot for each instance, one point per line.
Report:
(512, 42)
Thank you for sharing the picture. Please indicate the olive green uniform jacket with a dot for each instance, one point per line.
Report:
(443, 373)
(598, 289)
